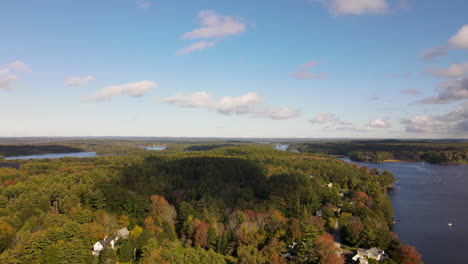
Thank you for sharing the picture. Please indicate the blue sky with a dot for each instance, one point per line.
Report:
(299, 68)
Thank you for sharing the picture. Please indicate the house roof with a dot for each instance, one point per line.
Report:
(375, 252)
(105, 241)
(122, 232)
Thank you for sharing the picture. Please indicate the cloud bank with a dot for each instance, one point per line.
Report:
(250, 104)
(449, 91)
(455, 121)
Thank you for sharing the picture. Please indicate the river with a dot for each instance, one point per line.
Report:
(55, 156)
(426, 198)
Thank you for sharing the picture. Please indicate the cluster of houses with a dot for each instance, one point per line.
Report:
(110, 241)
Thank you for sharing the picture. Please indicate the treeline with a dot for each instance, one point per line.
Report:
(437, 152)
(230, 205)
(23, 150)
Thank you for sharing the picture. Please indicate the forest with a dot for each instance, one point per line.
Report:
(22, 150)
(375, 151)
(227, 205)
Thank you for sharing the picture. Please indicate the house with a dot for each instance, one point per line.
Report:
(122, 233)
(363, 255)
(110, 241)
(101, 244)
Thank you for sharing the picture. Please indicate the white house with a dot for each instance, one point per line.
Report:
(110, 241)
(373, 253)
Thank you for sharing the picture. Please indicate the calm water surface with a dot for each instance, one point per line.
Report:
(158, 148)
(55, 156)
(426, 198)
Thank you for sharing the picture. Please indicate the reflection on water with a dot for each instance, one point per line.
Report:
(55, 156)
(426, 198)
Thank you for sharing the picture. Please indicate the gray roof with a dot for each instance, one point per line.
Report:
(374, 252)
(123, 232)
(106, 241)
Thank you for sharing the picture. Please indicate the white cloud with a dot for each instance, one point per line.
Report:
(410, 91)
(453, 122)
(144, 4)
(449, 91)
(420, 124)
(431, 53)
(19, 66)
(284, 113)
(215, 27)
(246, 104)
(6, 75)
(77, 81)
(303, 73)
(195, 47)
(324, 118)
(380, 123)
(306, 75)
(356, 7)
(454, 70)
(5, 81)
(309, 64)
(238, 105)
(460, 40)
(136, 89)
(197, 99)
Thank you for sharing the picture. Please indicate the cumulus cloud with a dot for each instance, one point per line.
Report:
(195, 47)
(453, 122)
(410, 91)
(19, 66)
(454, 70)
(214, 27)
(303, 72)
(324, 118)
(247, 104)
(449, 91)
(136, 89)
(420, 124)
(356, 7)
(380, 123)
(460, 39)
(77, 81)
(7, 75)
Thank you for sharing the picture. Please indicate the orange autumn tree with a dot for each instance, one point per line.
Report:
(407, 254)
(327, 250)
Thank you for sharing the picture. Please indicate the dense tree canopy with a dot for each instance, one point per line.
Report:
(227, 205)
